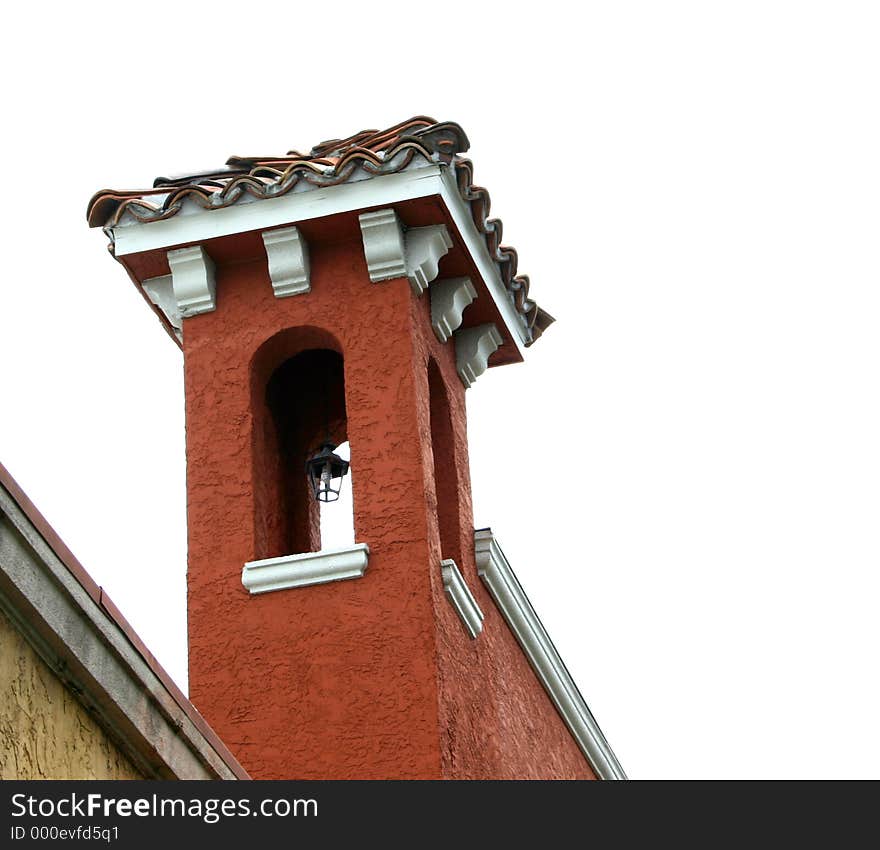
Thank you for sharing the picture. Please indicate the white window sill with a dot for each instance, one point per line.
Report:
(306, 569)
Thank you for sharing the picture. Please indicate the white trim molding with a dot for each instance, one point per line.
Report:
(516, 609)
(476, 245)
(473, 348)
(449, 297)
(288, 256)
(392, 252)
(306, 569)
(461, 597)
(389, 189)
(192, 274)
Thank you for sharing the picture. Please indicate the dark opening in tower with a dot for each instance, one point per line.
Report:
(305, 396)
(445, 471)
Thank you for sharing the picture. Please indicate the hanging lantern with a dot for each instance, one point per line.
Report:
(326, 471)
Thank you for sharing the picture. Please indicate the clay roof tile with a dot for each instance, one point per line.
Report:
(328, 164)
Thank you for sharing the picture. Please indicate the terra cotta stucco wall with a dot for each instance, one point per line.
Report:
(371, 678)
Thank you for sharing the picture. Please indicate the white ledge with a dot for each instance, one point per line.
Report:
(192, 276)
(449, 297)
(288, 256)
(514, 605)
(461, 598)
(306, 569)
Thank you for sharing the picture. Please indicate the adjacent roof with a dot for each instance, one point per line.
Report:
(78, 631)
(370, 152)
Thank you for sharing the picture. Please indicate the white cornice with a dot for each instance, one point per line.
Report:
(476, 245)
(514, 605)
(199, 225)
(288, 257)
(303, 570)
(461, 598)
(386, 190)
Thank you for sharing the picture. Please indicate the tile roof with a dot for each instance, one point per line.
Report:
(374, 152)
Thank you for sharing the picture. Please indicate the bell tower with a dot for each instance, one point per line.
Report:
(354, 294)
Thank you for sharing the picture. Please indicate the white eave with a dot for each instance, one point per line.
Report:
(196, 226)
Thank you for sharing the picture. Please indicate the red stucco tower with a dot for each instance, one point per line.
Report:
(353, 293)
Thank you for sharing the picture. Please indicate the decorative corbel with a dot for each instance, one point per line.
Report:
(392, 253)
(192, 274)
(449, 297)
(383, 245)
(288, 256)
(160, 290)
(425, 247)
(473, 348)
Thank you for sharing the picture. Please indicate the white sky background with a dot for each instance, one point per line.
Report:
(685, 472)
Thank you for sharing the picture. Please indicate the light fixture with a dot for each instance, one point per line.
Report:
(326, 470)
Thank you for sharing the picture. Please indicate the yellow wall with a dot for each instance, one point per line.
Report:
(44, 731)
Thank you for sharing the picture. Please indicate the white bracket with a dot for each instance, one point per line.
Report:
(391, 253)
(192, 273)
(383, 245)
(473, 348)
(288, 256)
(425, 247)
(160, 290)
(449, 297)
(303, 570)
(461, 598)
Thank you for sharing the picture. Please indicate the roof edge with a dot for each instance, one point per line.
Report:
(63, 584)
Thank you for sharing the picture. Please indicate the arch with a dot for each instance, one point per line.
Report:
(445, 466)
(297, 401)
(285, 344)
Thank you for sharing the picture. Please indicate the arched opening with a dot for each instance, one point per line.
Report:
(305, 400)
(445, 471)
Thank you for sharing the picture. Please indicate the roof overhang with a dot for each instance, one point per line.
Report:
(133, 240)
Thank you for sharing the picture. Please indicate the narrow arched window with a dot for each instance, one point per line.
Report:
(305, 399)
(445, 471)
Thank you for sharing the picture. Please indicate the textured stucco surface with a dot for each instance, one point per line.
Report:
(371, 678)
(45, 733)
(496, 720)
